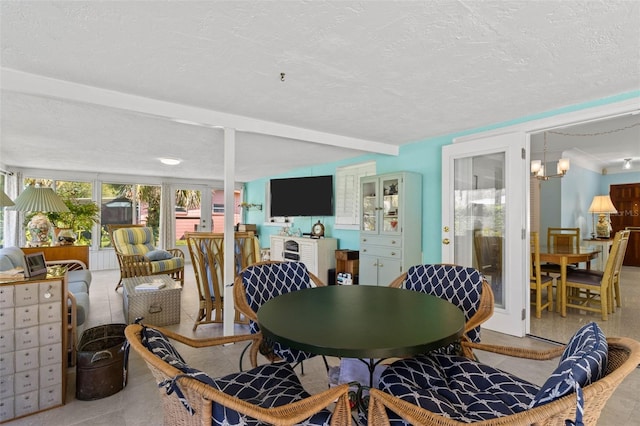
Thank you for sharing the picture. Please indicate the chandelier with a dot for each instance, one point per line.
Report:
(537, 166)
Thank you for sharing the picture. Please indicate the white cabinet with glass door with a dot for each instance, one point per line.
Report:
(391, 226)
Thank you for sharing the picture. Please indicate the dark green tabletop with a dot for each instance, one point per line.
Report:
(359, 321)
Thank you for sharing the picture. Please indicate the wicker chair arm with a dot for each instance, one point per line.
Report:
(70, 264)
(176, 252)
(517, 352)
(203, 342)
(290, 414)
(399, 281)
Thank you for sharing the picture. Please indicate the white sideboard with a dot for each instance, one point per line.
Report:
(318, 254)
(33, 358)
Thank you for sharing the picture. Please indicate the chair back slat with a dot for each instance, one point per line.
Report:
(563, 238)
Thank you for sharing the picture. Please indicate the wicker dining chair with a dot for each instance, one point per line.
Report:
(623, 356)
(464, 287)
(268, 395)
(206, 250)
(261, 282)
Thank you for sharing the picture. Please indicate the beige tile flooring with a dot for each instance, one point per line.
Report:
(138, 403)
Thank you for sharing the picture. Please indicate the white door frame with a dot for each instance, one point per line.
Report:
(509, 316)
(601, 112)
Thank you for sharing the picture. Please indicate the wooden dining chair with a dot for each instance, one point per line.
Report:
(207, 258)
(463, 286)
(538, 282)
(560, 239)
(488, 255)
(589, 290)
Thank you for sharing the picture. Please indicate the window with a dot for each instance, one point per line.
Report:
(347, 194)
(129, 203)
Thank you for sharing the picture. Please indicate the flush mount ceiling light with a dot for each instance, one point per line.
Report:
(170, 161)
(627, 164)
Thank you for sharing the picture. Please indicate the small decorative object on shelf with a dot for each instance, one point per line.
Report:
(250, 206)
(317, 230)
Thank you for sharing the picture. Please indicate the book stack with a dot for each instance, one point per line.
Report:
(150, 286)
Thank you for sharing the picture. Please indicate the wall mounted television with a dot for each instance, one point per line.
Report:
(302, 196)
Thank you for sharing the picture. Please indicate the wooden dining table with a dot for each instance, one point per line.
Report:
(565, 256)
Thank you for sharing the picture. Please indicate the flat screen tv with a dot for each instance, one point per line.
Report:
(302, 196)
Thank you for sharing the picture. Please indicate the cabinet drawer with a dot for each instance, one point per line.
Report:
(27, 338)
(26, 359)
(6, 297)
(380, 251)
(26, 381)
(50, 292)
(51, 354)
(27, 294)
(6, 386)
(6, 318)
(7, 341)
(380, 240)
(6, 409)
(50, 397)
(50, 375)
(26, 316)
(7, 365)
(49, 312)
(26, 403)
(50, 333)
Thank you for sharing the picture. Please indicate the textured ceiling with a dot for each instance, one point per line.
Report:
(98, 86)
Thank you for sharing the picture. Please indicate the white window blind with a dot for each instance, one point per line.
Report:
(347, 193)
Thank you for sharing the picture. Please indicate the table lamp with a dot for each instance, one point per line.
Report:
(602, 205)
(39, 199)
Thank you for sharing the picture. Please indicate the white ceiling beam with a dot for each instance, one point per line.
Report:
(17, 81)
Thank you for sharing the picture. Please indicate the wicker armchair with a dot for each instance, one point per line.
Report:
(472, 293)
(207, 257)
(256, 285)
(270, 394)
(133, 245)
(623, 358)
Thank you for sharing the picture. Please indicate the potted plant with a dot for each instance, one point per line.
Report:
(80, 217)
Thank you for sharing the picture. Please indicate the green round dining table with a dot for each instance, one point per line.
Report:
(360, 321)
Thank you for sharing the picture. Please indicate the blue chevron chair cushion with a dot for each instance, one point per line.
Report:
(469, 391)
(456, 387)
(583, 361)
(269, 385)
(264, 282)
(459, 285)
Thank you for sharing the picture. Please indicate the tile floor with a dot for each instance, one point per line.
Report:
(138, 403)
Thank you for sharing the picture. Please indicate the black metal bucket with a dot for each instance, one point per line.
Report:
(100, 368)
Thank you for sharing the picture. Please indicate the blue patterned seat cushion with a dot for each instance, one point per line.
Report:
(456, 387)
(264, 282)
(583, 361)
(270, 385)
(459, 285)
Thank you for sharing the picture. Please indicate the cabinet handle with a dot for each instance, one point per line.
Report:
(380, 265)
(445, 241)
(393, 253)
(364, 250)
(364, 240)
(393, 242)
